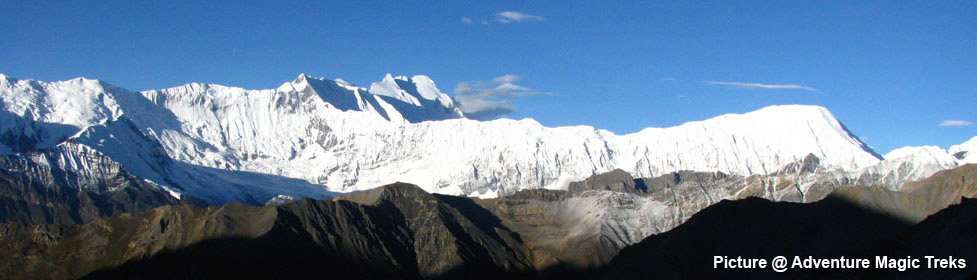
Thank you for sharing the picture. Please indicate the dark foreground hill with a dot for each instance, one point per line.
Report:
(854, 222)
(396, 231)
(831, 228)
(754, 228)
(400, 231)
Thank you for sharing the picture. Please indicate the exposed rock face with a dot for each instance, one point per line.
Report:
(564, 231)
(809, 164)
(47, 186)
(401, 231)
(965, 152)
(852, 221)
(574, 232)
(667, 181)
(580, 230)
(71, 251)
(450, 232)
(397, 231)
(616, 180)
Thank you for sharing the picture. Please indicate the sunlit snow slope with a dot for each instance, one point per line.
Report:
(311, 137)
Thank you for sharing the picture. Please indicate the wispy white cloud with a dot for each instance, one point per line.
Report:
(516, 16)
(763, 86)
(508, 78)
(511, 86)
(504, 17)
(955, 123)
(483, 100)
(666, 79)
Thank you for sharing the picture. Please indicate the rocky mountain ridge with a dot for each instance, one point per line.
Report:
(533, 233)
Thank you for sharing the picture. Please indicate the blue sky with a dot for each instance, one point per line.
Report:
(891, 71)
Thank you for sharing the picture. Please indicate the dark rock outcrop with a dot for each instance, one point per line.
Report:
(809, 164)
(451, 232)
(667, 181)
(395, 231)
(31, 193)
(401, 231)
(616, 180)
(560, 247)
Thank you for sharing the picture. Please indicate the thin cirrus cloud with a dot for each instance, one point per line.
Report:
(486, 100)
(506, 17)
(516, 16)
(763, 86)
(955, 123)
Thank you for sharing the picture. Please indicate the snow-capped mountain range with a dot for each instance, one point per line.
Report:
(315, 137)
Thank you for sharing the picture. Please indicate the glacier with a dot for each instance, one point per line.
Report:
(315, 137)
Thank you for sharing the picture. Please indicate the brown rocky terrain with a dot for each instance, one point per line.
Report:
(932, 217)
(397, 231)
(401, 231)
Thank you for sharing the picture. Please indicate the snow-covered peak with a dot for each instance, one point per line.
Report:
(906, 164)
(428, 90)
(965, 152)
(785, 133)
(928, 153)
(330, 134)
(395, 87)
(344, 83)
(417, 90)
(425, 87)
(41, 114)
(339, 94)
(301, 78)
(923, 161)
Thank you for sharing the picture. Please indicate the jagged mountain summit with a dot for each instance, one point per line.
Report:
(315, 137)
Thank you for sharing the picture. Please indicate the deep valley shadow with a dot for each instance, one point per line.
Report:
(343, 239)
(758, 228)
(243, 258)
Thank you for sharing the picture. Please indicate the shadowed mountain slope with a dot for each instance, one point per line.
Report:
(754, 228)
(949, 232)
(398, 231)
(853, 221)
(34, 189)
(919, 199)
(402, 231)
